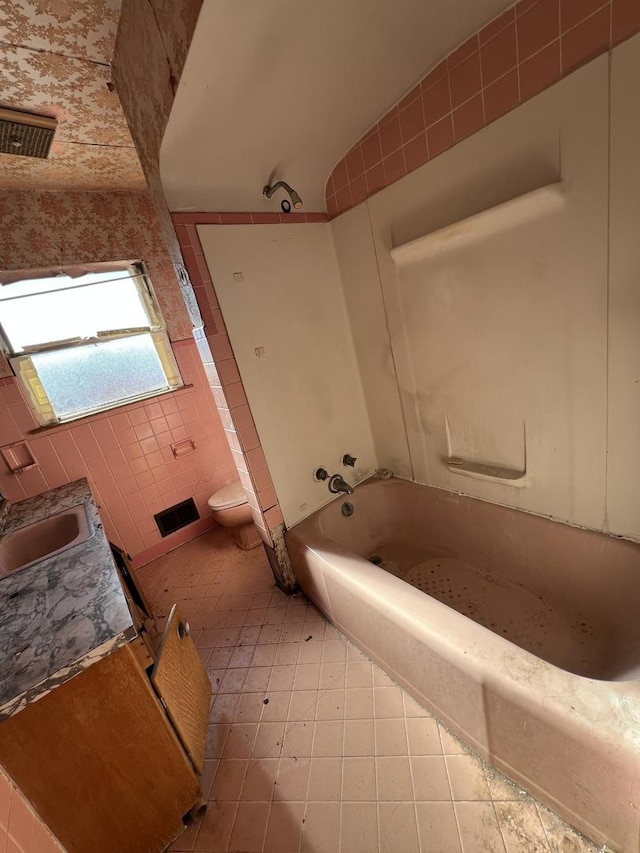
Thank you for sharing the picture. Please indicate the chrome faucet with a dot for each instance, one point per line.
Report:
(336, 484)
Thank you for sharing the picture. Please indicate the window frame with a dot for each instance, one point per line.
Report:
(26, 373)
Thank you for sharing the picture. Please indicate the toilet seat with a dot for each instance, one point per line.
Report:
(228, 497)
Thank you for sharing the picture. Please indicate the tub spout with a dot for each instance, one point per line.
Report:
(337, 485)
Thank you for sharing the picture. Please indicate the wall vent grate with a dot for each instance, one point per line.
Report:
(176, 517)
(26, 134)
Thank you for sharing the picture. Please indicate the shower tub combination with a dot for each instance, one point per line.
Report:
(520, 633)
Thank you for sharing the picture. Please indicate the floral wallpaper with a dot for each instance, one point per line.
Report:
(81, 167)
(55, 61)
(151, 48)
(82, 28)
(44, 229)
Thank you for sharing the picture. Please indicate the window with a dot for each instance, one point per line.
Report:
(82, 344)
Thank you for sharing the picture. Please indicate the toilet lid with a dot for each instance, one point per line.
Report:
(230, 496)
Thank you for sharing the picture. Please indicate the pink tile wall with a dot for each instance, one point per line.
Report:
(126, 454)
(517, 55)
(21, 831)
(222, 371)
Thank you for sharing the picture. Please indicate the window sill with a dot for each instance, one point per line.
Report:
(105, 413)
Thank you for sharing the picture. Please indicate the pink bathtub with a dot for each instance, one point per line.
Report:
(520, 633)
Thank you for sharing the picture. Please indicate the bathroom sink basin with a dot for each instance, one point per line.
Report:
(45, 538)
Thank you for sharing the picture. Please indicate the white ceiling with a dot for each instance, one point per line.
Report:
(283, 88)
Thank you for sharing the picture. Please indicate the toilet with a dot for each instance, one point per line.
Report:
(231, 509)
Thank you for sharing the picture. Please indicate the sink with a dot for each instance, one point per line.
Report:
(44, 538)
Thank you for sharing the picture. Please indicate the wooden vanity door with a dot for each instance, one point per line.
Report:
(183, 686)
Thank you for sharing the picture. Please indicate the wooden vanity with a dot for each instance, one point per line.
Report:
(108, 750)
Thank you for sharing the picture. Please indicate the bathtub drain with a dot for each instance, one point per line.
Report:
(377, 561)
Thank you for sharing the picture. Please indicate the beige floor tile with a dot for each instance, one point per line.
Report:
(413, 708)
(264, 655)
(332, 676)
(216, 737)
(310, 649)
(248, 636)
(282, 677)
(423, 736)
(359, 673)
(479, 829)
(307, 676)
(259, 779)
(359, 737)
(437, 828)
(359, 779)
(291, 632)
(219, 657)
(209, 770)
(391, 737)
(328, 738)
(303, 705)
(224, 707)
(521, 827)
(393, 778)
(250, 827)
(430, 780)
(466, 777)
(215, 828)
(268, 742)
(325, 779)
(321, 829)
(359, 703)
(233, 680)
(277, 706)
(397, 828)
(228, 780)
(334, 651)
(359, 828)
(381, 679)
(287, 654)
(451, 745)
(257, 679)
(239, 743)
(330, 705)
(284, 830)
(293, 778)
(249, 708)
(269, 634)
(298, 738)
(387, 702)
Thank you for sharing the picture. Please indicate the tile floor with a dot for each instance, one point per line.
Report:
(311, 747)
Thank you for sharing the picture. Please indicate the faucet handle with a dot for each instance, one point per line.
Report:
(350, 461)
(320, 474)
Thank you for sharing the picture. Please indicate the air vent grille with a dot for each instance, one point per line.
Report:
(25, 134)
(177, 516)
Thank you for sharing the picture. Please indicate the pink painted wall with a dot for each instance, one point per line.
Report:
(125, 453)
(514, 57)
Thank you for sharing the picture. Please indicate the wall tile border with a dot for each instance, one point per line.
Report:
(517, 55)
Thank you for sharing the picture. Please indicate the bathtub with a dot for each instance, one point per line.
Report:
(520, 633)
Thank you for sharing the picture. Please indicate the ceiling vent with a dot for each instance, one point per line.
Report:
(26, 134)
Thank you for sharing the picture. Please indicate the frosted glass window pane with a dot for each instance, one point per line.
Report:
(62, 308)
(85, 378)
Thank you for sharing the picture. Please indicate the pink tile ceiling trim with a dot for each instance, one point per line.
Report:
(523, 51)
(245, 218)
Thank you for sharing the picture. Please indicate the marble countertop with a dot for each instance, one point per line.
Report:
(62, 614)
